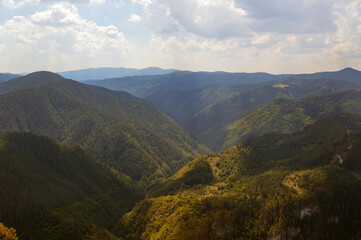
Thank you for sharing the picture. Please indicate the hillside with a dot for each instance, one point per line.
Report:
(279, 186)
(103, 73)
(53, 191)
(212, 122)
(288, 116)
(219, 103)
(182, 105)
(126, 133)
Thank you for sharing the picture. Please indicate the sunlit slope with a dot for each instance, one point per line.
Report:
(215, 123)
(281, 186)
(219, 103)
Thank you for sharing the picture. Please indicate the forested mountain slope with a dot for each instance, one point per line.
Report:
(212, 122)
(182, 105)
(287, 116)
(124, 132)
(221, 102)
(53, 191)
(304, 185)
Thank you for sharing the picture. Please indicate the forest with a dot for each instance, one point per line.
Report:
(183, 155)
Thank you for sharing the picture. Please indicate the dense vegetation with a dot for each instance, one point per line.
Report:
(182, 105)
(52, 191)
(276, 186)
(220, 103)
(213, 123)
(293, 171)
(126, 133)
(287, 116)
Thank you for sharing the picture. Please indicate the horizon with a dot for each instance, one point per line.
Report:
(281, 73)
(233, 36)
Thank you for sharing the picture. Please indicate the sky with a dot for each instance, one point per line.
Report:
(275, 36)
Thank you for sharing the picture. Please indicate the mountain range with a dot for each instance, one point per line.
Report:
(143, 86)
(103, 73)
(133, 161)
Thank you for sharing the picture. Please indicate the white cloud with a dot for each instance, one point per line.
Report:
(290, 17)
(21, 3)
(134, 18)
(209, 18)
(145, 3)
(60, 34)
(241, 18)
(234, 35)
(58, 15)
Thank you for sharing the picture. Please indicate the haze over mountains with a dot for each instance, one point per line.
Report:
(103, 73)
(143, 86)
(7, 76)
(130, 158)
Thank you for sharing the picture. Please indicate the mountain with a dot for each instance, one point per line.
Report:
(278, 186)
(122, 131)
(228, 99)
(347, 74)
(182, 105)
(144, 86)
(211, 123)
(103, 73)
(52, 191)
(287, 116)
(7, 76)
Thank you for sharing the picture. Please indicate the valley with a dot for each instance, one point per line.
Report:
(181, 155)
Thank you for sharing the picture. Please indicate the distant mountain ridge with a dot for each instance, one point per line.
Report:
(144, 86)
(7, 76)
(103, 73)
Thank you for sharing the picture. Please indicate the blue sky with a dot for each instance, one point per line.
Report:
(277, 36)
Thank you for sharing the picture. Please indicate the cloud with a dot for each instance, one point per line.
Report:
(347, 39)
(145, 3)
(59, 33)
(209, 18)
(57, 15)
(134, 18)
(233, 35)
(173, 45)
(21, 3)
(241, 18)
(291, 16)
